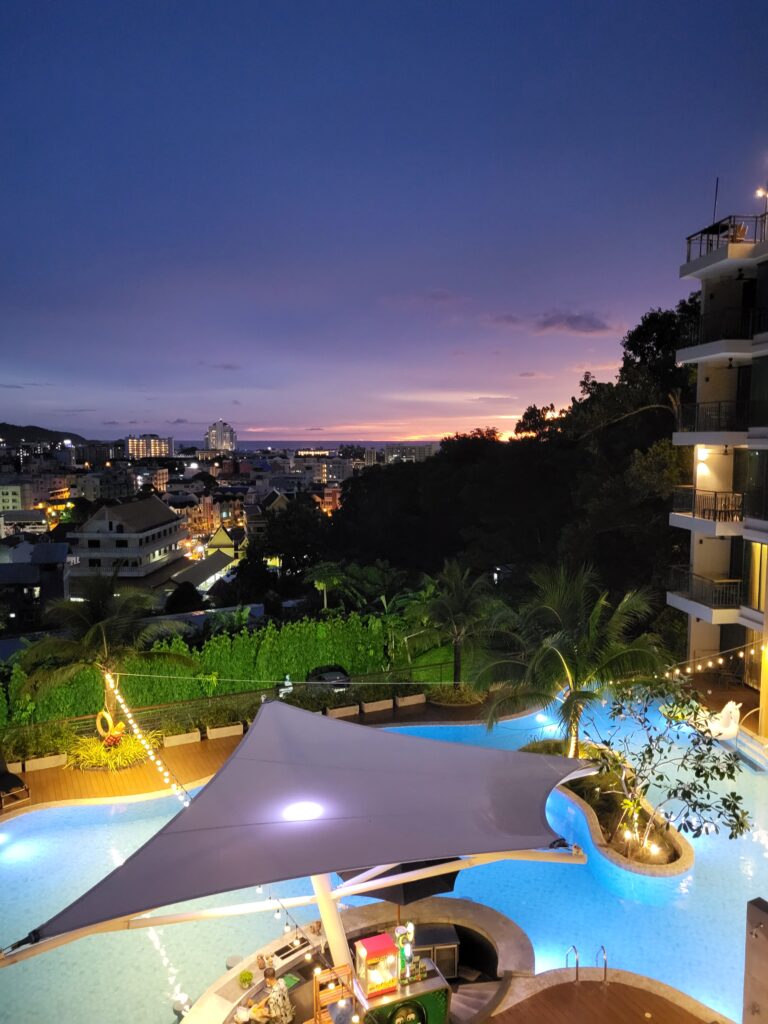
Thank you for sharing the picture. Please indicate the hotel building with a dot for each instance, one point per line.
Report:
(220, 437)
(722, 589)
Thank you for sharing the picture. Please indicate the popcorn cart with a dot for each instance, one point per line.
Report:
(376, 965)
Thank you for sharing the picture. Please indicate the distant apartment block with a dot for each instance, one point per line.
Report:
(148, 446)
(722, 588)
(410, 452)
(221, 437)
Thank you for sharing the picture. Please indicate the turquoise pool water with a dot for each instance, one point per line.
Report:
(688, 932)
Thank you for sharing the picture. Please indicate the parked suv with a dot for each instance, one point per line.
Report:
(330, 675)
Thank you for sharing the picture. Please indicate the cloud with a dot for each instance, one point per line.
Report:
(574, 323)
(19, 387)
(111, 423)
(222, 366)
(527, 373)
(132, 423)
(503, 319)
(236, 402)
(175, 422)
(438, 296)
(75, 410)
(318, 429)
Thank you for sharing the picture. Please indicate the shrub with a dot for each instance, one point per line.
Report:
(89, 752)
(462, 696)
(245, 978)
(21, 742)
(177, 724)
(219, 714)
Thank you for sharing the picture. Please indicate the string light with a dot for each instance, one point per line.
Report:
(170, 780)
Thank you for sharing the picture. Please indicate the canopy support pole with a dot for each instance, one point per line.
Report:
(331, 918)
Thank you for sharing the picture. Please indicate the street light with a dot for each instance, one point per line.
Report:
(762, 193)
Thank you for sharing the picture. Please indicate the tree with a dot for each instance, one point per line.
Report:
(185, 598)
(458, 610)
(571, 644)
(646, 754)
(297, 536)
(98, 632)
(325, 576)
(650, 348)
(539, 422)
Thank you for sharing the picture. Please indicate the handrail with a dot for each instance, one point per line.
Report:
(605, 963)
(575, 959)
(754, 711)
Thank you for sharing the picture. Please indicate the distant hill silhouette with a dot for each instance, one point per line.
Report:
(11, 434)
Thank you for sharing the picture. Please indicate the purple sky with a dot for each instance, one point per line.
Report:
(352, 220)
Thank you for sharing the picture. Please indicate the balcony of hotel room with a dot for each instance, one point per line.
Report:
(735, 241)
(713, 504)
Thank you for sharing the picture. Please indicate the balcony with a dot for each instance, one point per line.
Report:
(713, 506)
(713, 599)
(733, 230)
(729, 324)
(704, 417)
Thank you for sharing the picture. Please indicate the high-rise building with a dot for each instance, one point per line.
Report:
(722, 589)
(148, 446)
(221, 437)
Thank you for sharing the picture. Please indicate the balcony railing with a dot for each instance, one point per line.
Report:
(726, 324)
(714, 593)
(714, 416)
(717, 506)
(728, 231)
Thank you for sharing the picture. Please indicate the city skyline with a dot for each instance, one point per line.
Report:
(332, 223)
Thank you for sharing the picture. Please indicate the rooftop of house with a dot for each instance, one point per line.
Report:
(136, 516)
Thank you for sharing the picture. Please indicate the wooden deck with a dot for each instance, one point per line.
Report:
(591, 1002)
(190, 763)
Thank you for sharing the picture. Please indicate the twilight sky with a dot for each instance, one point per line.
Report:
(331, 220)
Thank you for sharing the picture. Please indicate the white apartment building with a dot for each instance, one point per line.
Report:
(410, 452)
(138, 539)
(722, 589)
(148, 446)
(221, 437)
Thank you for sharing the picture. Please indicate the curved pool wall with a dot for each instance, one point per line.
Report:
(686, 931)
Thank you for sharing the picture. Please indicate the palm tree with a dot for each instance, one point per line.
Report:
(98, 632)
(459, 610)
(572, 644)
(325, 576)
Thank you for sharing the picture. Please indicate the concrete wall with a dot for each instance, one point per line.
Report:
(711, 556)
(713, 468)
(756, 962)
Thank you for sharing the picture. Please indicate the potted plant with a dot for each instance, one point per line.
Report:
(48, 745)
(222, 721)
(179, 730)
(245, 978)
(376, 698)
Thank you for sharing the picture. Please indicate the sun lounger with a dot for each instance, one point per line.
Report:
(13, 789)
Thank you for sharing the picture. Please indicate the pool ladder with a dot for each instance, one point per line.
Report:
(601, 951)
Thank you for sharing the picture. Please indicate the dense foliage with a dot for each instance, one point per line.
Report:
(224, 664)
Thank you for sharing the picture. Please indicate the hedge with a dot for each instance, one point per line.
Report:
(247, 661)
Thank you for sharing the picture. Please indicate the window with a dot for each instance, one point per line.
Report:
(94, 543)
(755, 565)
(94, 563)
(121, 544)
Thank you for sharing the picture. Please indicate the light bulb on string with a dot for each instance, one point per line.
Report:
(286, 927)
(277, 914)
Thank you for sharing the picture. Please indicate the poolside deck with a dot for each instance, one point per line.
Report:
(591, 1002)
(190, 763)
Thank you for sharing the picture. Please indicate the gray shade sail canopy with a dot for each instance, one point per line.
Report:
(303, 794)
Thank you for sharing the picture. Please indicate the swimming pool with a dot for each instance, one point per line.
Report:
(688, 931)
